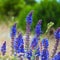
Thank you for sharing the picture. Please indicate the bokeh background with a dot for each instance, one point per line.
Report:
(17, 10)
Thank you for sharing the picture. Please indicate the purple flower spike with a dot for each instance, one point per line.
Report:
(34, 42)
(57, 34)
(45, 43)
(38, 30)
(29, 18)
(57, 57)
(45, 54)
(13, 35)
(13, 30)
(29, 54)
(3, 48)
(37, 53)
(19, 44)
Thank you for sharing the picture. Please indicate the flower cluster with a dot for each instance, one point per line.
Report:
(33, 50)
(29, 18)
(45, 43)
(37, 34)
(57, 57)
(37, 53)
(19, 44)
(13, 30)
(45, 52)
(28, 26)
(34, 42)
(57, 34)
(3, 48)
(38, 30)
(29, 54)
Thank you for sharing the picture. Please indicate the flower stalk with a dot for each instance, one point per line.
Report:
(57, 36)
(28, 28)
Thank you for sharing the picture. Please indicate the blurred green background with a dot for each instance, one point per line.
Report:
(17, 10)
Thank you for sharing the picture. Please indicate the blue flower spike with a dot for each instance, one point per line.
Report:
(3, 48)
(57, 56)
(45, 43)
(29, 18)
(13, 35)
(19, 44)
(38, 30)
(29, 54)
(28, 29)
(13, 30)
(45, 52)
(57, 36)
(34, 42)
(37, 53)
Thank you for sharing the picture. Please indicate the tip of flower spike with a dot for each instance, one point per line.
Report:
(57, 34)
(59, 53)
(31, 12)
(20, 35)
(3, 48)
(13, 30)
(14, 25)
(29, 18)
(38, 30)
(4, 43)
(40, 22)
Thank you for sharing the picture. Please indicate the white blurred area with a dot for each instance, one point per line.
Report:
(5, 36)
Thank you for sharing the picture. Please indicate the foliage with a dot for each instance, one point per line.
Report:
(45, 10)
(11, 7)
(30, 2)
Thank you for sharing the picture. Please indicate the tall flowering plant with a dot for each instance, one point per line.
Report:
(38, 32)
(57, 36)
(19, 45)
(13, 30)
(33, 52)
(28, 27)
(3, 48)
(49, 25)
(33, 46)
(13, 35)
